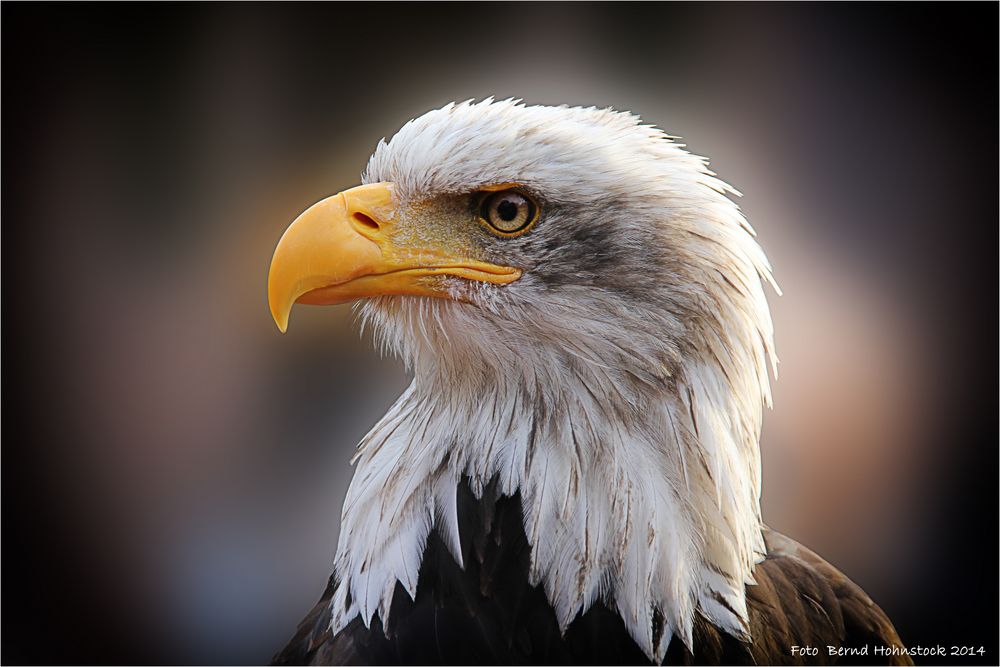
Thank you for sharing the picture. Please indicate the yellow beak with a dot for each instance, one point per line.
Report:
(341, 249)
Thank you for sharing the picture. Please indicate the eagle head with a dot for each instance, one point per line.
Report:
(581, 306)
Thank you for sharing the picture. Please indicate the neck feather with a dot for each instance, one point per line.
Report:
(644, 496)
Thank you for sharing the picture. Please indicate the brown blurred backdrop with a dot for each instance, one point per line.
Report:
(174, 468)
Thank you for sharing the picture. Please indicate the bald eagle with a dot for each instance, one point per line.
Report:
(573, 475)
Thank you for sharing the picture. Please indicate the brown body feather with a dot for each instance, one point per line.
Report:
(487, 613)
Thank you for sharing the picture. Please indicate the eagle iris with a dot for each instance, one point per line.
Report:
(508, 213)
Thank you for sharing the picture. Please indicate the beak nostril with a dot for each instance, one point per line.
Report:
(365, 221)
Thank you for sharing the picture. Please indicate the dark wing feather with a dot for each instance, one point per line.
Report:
(489, 614)
(801, 600)
(805, 601)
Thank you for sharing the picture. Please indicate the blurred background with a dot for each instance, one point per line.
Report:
(174, 467)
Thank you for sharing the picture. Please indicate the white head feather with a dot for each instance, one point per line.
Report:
(617, 386)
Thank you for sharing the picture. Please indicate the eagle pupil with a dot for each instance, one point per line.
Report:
(507, 210)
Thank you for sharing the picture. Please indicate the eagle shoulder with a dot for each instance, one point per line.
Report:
(801, 600)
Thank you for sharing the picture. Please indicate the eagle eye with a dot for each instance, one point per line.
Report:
(508, 213)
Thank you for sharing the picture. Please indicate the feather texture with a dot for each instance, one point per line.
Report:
(488, 613)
